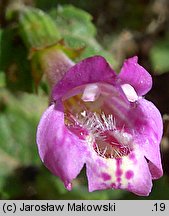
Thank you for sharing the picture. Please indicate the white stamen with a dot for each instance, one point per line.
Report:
(98, 150)
(99, 127)
(104, 151)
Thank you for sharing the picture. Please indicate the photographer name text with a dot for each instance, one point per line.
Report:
(23, 207)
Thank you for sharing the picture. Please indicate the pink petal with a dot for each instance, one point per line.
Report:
(129, 173)
(135, 75)
(150, 127)
(62, 152)
(136, 173)
(90, 70)
(97, 174)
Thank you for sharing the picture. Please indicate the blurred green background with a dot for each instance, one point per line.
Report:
(116, 29)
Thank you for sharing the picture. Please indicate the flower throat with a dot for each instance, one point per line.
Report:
(101, 133)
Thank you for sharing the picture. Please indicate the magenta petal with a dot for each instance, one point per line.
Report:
(60, 150)
(148, 127)
(150, 136)
(90, 70)
(97, 174)
(110, 128)
(135, 75)
(137, 173)
(129, 173)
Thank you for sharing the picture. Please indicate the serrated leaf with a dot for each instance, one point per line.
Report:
(78, 32)
(71, 19)
(37, 28)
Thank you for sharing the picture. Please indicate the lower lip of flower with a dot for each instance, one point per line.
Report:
(101, 131)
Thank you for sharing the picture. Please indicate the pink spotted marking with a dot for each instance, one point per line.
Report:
(119, 171)
(105, 176)
(132, 156)
(129, 174)
(119, 179)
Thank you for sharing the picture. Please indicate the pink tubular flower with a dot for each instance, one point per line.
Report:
(100, 119)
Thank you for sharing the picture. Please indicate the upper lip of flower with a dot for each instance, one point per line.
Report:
(134, 126)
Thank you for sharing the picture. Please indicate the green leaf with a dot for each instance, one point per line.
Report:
(70, 19)
(89, 48)
(37, 28)
(18, 121)
(159, 56)
(79, 32)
